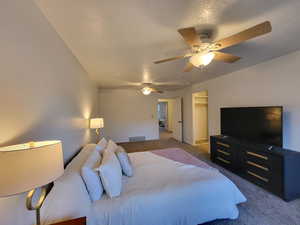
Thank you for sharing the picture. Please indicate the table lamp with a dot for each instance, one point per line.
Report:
(96, 123)
(29, 166)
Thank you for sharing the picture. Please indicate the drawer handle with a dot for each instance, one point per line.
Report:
(225, 153)
(257, 155)
(223, 144)
(257, 165)
(223, 160)
(257, 176)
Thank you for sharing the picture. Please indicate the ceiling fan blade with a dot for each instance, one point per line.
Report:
(225, 57)
(156, 91)
(190, 35)
(189, 66)
(170, 59)
(171, 83)
(245, 35)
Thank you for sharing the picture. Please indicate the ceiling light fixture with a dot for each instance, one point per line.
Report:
(202, 59)
(146, 91)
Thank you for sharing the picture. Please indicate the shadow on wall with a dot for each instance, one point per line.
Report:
(287, 129)
(47, 127)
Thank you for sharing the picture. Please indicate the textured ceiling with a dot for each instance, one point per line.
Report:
(116, 41)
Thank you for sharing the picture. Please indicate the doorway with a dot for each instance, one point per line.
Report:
(200, 120)
(170, 118)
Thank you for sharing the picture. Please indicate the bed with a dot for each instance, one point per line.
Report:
(163, 191)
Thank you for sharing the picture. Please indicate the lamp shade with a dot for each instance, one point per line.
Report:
(96, 123)
(27, 166)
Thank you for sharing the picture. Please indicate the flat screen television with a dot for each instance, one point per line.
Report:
(260, 125)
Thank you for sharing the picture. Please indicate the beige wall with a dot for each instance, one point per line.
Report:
(274, 82)
(44, 91)
(128, 113)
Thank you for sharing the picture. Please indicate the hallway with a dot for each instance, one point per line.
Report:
(165, 134)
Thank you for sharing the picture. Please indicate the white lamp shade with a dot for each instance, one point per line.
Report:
(27, 166)
(96, 123)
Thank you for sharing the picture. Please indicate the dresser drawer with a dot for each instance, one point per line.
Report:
(257, 179)
(261, 168)
(261, 173)
(223, 146)
(227, 155)
(225, 162)
(259, 158)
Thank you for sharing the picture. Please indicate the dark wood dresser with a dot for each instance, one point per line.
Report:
(272, 168)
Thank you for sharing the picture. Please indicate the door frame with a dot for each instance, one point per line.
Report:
(180, 121)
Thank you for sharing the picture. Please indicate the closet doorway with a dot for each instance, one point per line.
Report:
(200, 120)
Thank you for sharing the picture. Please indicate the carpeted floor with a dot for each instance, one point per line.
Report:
(262, 208)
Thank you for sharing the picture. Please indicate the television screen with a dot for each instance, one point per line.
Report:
(261, 125)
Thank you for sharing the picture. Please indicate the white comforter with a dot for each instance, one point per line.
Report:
(161, 192)
(165, 192)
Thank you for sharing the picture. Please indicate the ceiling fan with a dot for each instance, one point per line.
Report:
(148, 89)
(202, 53)
(154, 87)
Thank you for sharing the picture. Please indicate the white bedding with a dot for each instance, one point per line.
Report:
(161, 192)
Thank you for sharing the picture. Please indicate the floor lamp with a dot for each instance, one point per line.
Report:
(29, 166)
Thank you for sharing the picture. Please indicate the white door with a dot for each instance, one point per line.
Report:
(177, 119)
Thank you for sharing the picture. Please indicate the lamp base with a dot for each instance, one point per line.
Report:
(98, 131)
(39, 203)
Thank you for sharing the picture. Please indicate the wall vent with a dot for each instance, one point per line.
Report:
(137, 138)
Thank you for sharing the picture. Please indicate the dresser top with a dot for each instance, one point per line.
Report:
(261, 147)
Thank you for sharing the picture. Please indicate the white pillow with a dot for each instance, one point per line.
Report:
(77, 162)
(111, 146)
(68, 199)
(124, 161)
(90, 176)
(101, 145)
(111, 174)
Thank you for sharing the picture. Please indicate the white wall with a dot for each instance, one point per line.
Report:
(44, 92)
(275, 82)
(128, 113)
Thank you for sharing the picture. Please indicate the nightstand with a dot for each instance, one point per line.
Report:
(78, 221)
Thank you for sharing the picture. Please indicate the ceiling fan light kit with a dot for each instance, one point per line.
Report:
(202, 53)
(202, 59)
(146, 90)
